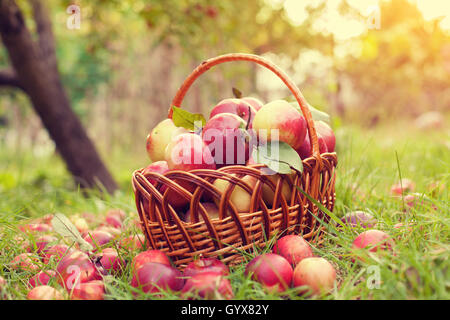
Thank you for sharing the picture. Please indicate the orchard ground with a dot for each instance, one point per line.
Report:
(369, 163)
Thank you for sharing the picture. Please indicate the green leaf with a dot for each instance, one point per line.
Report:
(237, 93)
(62, 225)
(278, 156)
(187, 120)
(316, 114)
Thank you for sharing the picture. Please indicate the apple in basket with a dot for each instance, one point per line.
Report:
(305, 150)
(160, 137)
(240, 198)
(226, 136)
(239, 107)
(279, 120)
(254, 102)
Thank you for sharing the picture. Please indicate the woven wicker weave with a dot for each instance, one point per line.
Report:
(233, 232)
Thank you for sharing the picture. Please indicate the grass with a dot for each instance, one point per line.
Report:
(369, 163)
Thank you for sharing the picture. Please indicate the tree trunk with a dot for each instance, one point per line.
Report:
(35, 69)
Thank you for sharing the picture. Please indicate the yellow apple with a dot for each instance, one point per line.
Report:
(160, 137)
(239, 197)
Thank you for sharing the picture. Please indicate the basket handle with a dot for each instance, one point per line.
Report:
(207, 64)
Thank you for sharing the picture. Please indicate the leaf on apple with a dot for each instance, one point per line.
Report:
(316, 114)
(278, 156)
(187, 120)
(237, 93)
(62, 225)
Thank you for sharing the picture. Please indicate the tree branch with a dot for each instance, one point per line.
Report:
(9, 79)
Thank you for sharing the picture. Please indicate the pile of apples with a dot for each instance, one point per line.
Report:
(234, 128)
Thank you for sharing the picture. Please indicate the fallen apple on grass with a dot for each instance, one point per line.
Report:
(317, 274)
(203, 265)
(153, 277)
(42, 278)
(76, 268)
(110, 261)
(26, 262)
(208, 285)
(271, 270)
(293, 248)
(44, 293)
(41, 243)
(92, 290)
(145, 257)
(98, 238)
(35, 227)
(371, 241)
(133, 242)
(359, 219)
(58, 251)
(404, 186)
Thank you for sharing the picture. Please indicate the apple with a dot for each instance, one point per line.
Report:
(203, 265)
(281, 116)
(41, 243)
(58, 251)
(98, 238)
(35, 227)
(326, 133)
(44, 293)
(240, 198)
(160, 167)
(315, 273)
(254, 102)
(208, 285)
(268, 194)
(76, 268)
(42, 278)
(160, 137)
(133, 242)
(373, 240)
(188, 152)
(110, 261)
(305, 150)
(25, 261)
(239, 107)
(89, 217)
(293, 248)
(109, 229)
(211, 208)
(113, 221)
(120, 214)
(155, 256)
(153, 277)
(226, 137)
(405, 186)
(92, 290)
(3, 284)
(80, 223)
(359, 218)
(271, 270)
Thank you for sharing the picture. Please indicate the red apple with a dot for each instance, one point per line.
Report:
(305, 150)
(35, 227)
(208, 285)
(42, 278)
(271, 270)
(280, 118)
(25, 261)
(373, 240)
(41, 243)
(120, 214)
(110, 261)
(160, 137)
(108, 229)
(113, 221)
(255, 103)
(326, 133)
(226, 137)
(359, 218)
(293, 248)
(76, 268)
(160, 167)
(315, 273)
(153, 277)
(92, 290)
(98, 238)
(57, 251)
(188, 152)
(156, 256)
(239, 107)
(203, 265)
(405, 186)
(44, 293)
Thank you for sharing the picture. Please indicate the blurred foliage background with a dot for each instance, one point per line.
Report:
(123, 66)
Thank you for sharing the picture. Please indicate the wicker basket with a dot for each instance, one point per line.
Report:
(233, 232)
